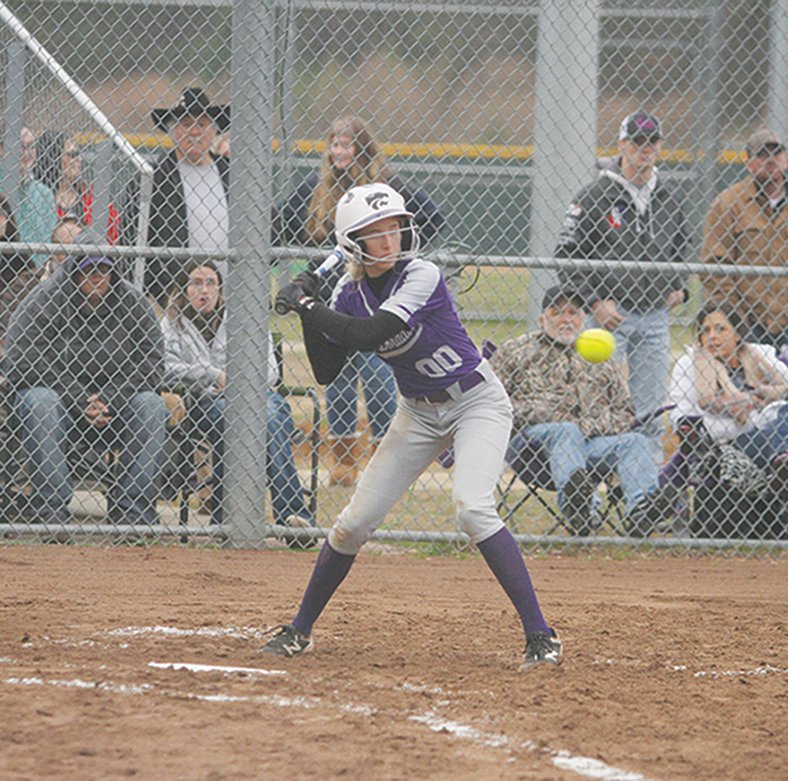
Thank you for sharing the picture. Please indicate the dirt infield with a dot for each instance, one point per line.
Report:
(674, 669)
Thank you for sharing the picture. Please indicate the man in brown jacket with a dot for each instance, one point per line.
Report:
(748, 225)
(581, 415)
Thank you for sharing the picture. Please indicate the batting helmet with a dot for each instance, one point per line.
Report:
(361, 206)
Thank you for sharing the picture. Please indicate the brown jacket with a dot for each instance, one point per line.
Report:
(742, 227)
(549, 382)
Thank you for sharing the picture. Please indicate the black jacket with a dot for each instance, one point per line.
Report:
(603, 223)
(168, 225)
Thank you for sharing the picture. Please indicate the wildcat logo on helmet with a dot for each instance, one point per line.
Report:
(378, 200)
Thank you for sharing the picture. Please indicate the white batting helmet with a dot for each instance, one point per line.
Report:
(367, 203)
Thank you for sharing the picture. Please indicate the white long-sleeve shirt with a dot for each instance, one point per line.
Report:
(721, 427)
(196, 363)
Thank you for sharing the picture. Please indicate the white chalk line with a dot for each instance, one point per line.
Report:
(582, 766)
(760, 671)
(147, 688)
(206, 668)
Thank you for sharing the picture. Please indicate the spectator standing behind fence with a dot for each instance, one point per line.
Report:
(85, 360)
(189, 206)
(631, 213)
(748, 224)
(352, 157)
(737, 388)
(195, 335)
(59, 166)
(35, 210)
(581, 415)
(17, 273)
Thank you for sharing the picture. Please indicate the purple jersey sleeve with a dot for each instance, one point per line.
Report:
(433, 350)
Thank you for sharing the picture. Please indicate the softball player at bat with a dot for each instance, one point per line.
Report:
(393, 302)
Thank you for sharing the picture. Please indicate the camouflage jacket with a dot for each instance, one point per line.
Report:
(549, 382)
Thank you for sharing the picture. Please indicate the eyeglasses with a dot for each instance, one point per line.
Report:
(210, 284)
(75, 155)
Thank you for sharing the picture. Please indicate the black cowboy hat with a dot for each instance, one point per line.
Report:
(193, 102)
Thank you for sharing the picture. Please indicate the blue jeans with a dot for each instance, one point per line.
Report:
(287, 493)
(627, 454)
(380, 396)
(47, 430)
(643, 343)
(762, 445)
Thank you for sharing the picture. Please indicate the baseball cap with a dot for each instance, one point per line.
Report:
(640, 125)
(557, 293)
(94, 260)
(763, 139)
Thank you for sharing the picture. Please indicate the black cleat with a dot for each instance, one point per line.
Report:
(287, 642)
(542, 648)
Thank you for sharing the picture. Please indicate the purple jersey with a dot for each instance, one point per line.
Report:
(433, 350)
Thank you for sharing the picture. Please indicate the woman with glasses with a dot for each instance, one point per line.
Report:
(195, 337)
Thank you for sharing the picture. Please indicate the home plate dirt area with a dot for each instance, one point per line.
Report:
(144, 663)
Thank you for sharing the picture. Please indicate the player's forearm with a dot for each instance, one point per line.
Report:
(353, 333)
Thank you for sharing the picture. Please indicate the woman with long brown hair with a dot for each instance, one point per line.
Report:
(738, 388)
(352, 157)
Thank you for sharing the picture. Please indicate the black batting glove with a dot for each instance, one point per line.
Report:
(291, 298)
(310, 283)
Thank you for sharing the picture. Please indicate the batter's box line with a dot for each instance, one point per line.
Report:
(583, 766)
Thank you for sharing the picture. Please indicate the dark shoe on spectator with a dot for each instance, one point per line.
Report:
(578, 493)
(652, 513)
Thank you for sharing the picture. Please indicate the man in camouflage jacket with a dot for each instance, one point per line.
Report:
(580, 416)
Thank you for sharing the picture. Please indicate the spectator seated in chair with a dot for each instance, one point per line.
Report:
(580, 414)
(195, 334)
(735, 393)
(84, 362)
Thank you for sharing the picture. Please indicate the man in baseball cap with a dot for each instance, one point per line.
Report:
(747, 224)
(632, 212)
(580, 416)
(85, 359)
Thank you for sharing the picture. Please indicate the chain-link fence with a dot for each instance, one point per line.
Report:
(630, 154)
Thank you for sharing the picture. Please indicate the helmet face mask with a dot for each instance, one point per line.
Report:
(366, 204)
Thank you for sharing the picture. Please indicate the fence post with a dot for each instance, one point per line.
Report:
(248, 283)
(778, 68)
(565, 124)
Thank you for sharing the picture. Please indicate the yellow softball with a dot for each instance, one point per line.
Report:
(595, 345)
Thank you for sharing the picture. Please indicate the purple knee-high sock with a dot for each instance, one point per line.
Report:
(503, 557)
(330, 570)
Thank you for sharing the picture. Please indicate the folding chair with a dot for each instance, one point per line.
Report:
(533, 471)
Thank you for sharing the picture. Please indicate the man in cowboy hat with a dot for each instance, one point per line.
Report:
(189, 206)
